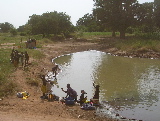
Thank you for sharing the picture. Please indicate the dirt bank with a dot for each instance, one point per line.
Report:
(33, 108)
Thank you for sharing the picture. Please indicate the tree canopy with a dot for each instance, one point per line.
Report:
(88, 22)
(157, 12)
(5, 27)
(116, 14)
(50, 23)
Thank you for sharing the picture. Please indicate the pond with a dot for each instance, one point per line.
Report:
(131, 86)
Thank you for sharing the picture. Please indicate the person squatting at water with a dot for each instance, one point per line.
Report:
(70, 92)
(55, 70)
(82, 98)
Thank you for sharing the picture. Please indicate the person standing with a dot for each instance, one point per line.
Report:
(96, 94)
(43, 87)
(16, 58)
(55, 70)
(26, 57)
(22, 58)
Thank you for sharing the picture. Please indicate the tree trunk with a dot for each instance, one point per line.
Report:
(122, 34)
(113, 33)
(43, 35)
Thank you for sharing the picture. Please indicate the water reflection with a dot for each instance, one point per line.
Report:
(79, 71)
(131, 86)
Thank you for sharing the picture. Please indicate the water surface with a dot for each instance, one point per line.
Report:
(129, 85)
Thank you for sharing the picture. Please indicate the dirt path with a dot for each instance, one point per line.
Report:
(33, 108)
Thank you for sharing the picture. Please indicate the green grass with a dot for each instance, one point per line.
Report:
(7, 37)
(143, 42)
(138, 44)
(93, 35)
(98, 33)
(6, 68)
(8, 86)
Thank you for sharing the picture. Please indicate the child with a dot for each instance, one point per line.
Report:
(82, 98)
(26, 58)
(55, 70)
(44, 83)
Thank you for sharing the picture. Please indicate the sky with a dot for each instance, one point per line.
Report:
(17, 12)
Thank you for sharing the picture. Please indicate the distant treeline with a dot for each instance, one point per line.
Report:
(110, 15)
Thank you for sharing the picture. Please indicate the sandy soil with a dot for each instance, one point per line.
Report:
(35, 109)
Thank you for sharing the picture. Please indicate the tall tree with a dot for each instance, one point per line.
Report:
(117, 14)
(145, 16)
(89, 22)
(50, 23)
(157, 12)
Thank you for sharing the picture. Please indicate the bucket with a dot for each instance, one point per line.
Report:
(95, 101)
(69, 101)
(50, 97)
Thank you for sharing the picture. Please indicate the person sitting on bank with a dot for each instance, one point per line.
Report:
(82, 98)
(70, 92)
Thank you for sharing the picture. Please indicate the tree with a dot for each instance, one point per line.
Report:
(5, 27)
(21, 28)
(117, 14)
(145, 17)
(157, 12)
(89, 22)
(13, 31)
(50, 23)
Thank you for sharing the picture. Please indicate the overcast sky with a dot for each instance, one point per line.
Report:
(17, 12)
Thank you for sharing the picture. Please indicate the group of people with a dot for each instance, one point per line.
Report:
(48, 83)
(72, 93)
(19, 57)
(69, 92)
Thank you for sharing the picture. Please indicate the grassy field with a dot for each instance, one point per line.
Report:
(134, 44)
(6, 68)
(143, 42)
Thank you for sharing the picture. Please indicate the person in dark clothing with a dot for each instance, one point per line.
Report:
(12, 55)
(96, 94)
(70, 92)
(82, 98)
(54, 70)
(44, 83)
(22, 58)
(26, 58)
(16, 58)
